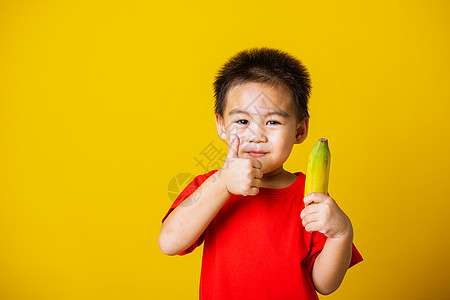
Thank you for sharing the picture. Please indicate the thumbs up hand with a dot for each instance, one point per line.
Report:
(242, 176)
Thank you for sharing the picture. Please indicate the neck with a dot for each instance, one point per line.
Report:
(274, 174)
(278, 178)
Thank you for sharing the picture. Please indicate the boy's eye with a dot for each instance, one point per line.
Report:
(243, 122)
(273, 122)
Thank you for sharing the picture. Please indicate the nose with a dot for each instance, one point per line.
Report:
(257, 134)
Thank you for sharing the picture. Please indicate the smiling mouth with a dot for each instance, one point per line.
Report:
(256, 154)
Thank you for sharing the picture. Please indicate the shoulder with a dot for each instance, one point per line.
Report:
(199, 179)
(299, 179)
(195, 182)
(299, 173)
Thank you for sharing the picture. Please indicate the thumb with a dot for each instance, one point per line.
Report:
(234, 147)
(313, 198)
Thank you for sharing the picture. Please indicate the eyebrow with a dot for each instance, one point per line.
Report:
(271, 112)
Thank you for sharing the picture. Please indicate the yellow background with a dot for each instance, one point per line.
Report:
(102, 103)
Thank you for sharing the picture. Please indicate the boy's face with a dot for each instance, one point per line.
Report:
(264, 118)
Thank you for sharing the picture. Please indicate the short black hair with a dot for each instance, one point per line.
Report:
(264, 65)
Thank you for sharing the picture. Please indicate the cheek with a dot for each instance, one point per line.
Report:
(282, 144)
(234, 128)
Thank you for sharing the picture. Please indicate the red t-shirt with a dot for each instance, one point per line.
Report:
(256, 247)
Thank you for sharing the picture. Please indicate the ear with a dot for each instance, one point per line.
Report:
(302, 131)
(221, 127)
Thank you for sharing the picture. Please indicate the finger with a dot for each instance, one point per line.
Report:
(309, 218)
(253, 191)
(312, 226)
(310, 209)
(314, 197)
(234, 147)
(256, 163)
(257, 173)
(256, 183)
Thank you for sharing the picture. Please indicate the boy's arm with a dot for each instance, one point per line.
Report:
(333, 261)
(187, 221)
(332, 264)
(184, 225)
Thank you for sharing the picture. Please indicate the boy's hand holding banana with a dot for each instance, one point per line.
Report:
(242, 176)
(325, 216)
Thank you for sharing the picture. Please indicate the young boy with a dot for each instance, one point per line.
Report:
(262, 238)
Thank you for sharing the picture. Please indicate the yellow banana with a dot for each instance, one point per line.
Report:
(318, 169)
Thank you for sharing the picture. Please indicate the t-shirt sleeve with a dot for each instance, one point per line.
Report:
(187, 191)
(318, 242)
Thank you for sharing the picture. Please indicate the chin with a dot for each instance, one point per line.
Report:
(269, 169)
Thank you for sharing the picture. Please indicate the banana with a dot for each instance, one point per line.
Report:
(318, 169)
